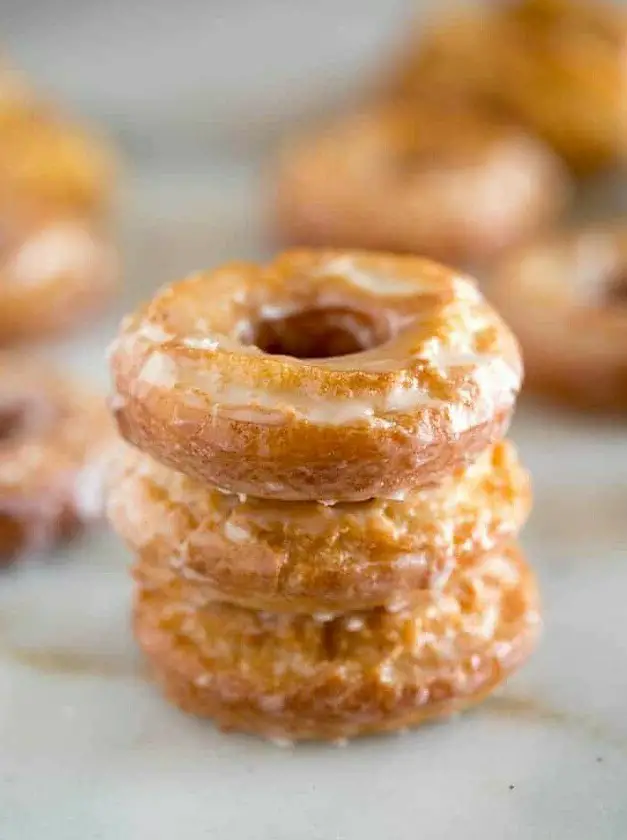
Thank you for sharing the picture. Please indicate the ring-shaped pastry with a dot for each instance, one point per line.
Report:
(333, 376)
(50, 167)
(309, 557)
(566, 299)
(55, 440)
(52, 276)
(555, 67)
(431, 178)
(286, 676)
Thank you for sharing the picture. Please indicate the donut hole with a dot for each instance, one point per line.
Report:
(318, 333)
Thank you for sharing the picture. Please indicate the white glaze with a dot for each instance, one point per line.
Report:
(208, 389)
(89, 488)
(209, 342)
(235, 533)
(160, 370)
(354, 623)
(151, 332)
(346, 268)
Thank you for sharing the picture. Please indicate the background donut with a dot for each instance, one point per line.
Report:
(566, 299)
(55, 440)
(433, 177)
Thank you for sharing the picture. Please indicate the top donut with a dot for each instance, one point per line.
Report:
(325, 375)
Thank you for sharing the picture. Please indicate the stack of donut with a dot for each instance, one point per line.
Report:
(318, 494)
(56, 267)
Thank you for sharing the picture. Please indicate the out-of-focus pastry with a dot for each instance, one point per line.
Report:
(555, 66)
(55, 440)
(49, 165)
(53, 275)
(566, 299)
(432, 178)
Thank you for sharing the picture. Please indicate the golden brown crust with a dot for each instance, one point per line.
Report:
(555, 66)
(434, 388)
(566, 299)
(52, 275)
(295, 677)
(308, 557)
(430, 178)
(54, 439)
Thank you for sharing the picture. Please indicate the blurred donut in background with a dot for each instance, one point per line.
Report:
(52, 277)
(432, 177)
(557, 67)
(566, 299)
(56, 260)
(54, 443)
(49, 165)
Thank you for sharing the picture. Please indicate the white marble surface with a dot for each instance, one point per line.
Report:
(88, 748)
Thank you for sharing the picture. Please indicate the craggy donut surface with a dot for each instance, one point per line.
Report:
(433, 179)
(295, 677)
(555, 66)
(309, 557)
(52, 275)
(567, 301)
(325, 375)
(54, 439)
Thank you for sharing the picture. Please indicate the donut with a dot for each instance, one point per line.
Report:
(55, 440)
(270, 380)
(52, 276)
(441, 181)
(566, 298)
(326, 375)
(49, 167)
(293, 676)
(309, 557)
(554, 66)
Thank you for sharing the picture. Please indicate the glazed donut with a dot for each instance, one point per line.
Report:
(54, 443)
(52, 276)
(566, 299)
(443, 181)
(49, 167)
(331, 376)
(555, 66)
(296, 677)
(308, 557)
